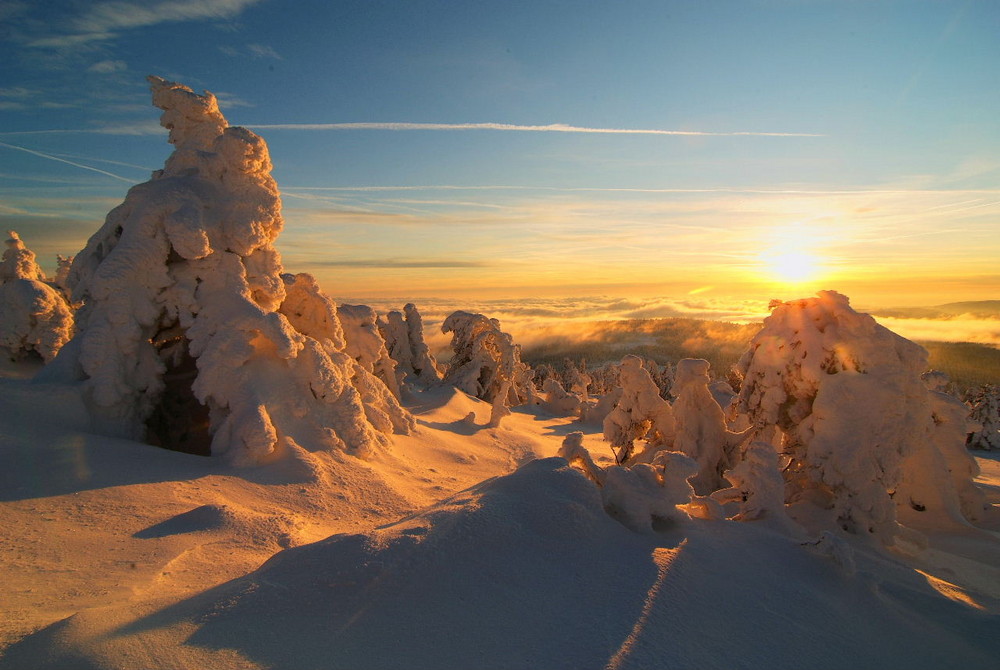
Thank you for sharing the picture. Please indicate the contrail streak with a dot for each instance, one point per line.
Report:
(551, 128)
(63, 160)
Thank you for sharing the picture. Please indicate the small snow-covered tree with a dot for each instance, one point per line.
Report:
(641, 496)
(404, 339)
(985, 413)
(757, 484)
(640, 413)
(34, 316)
(701, 430)
(486, 363)
(846, 395)
(184, 303)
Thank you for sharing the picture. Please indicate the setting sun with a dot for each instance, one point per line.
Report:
(791, 266)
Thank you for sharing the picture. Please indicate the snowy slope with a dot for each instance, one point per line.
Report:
(120, 555)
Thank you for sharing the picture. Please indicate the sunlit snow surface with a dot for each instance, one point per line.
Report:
(120, 555)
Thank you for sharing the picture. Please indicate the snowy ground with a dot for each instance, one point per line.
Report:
(116, 554)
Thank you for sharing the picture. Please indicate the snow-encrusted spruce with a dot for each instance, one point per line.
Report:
(855, 418)
(701, 430)
(640, 413)
(183, 278)
(34, 316)
(985, 413)
(404, 338)
(486, 364)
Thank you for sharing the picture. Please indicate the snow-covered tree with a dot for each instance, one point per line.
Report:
(558, 401)
(846, 395)
(486, 363)
(63, 265)
(920, 487)
(364, 343)
(34, 316)
(183, 295)
(19, 261)
(404, 339)
(640, 413)
(701, 430)
(985, 412)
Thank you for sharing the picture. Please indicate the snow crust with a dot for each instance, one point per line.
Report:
(185, 268)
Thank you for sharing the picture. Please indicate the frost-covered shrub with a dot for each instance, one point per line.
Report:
(701, 430)
(575, 379)
(853, 414)
(985, 412)
(486, 363)
(182, 295)
(404, 339)
(640, 413)
(34, 316)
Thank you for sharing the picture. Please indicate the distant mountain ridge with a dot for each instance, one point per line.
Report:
(980, 309)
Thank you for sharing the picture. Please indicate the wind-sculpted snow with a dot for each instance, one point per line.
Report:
(853, 414)
(183, 276)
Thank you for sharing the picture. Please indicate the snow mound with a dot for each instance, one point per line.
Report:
(186, 312)
(527, 570)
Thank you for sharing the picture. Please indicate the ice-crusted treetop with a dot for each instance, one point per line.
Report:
(194, 121)
(184, 276)
(19, 261)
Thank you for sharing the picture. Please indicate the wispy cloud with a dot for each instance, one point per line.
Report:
(67, 162)
(103, 21)
(108, 66)
(551, 128)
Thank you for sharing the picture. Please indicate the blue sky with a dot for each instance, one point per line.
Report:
(862, 137)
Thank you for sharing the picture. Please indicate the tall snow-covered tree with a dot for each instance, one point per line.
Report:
(184, 303)
(855, 418)
(34, 316)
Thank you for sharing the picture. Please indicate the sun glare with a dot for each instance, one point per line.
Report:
(791, 266)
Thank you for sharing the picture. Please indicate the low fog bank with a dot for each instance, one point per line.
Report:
(962, 338)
